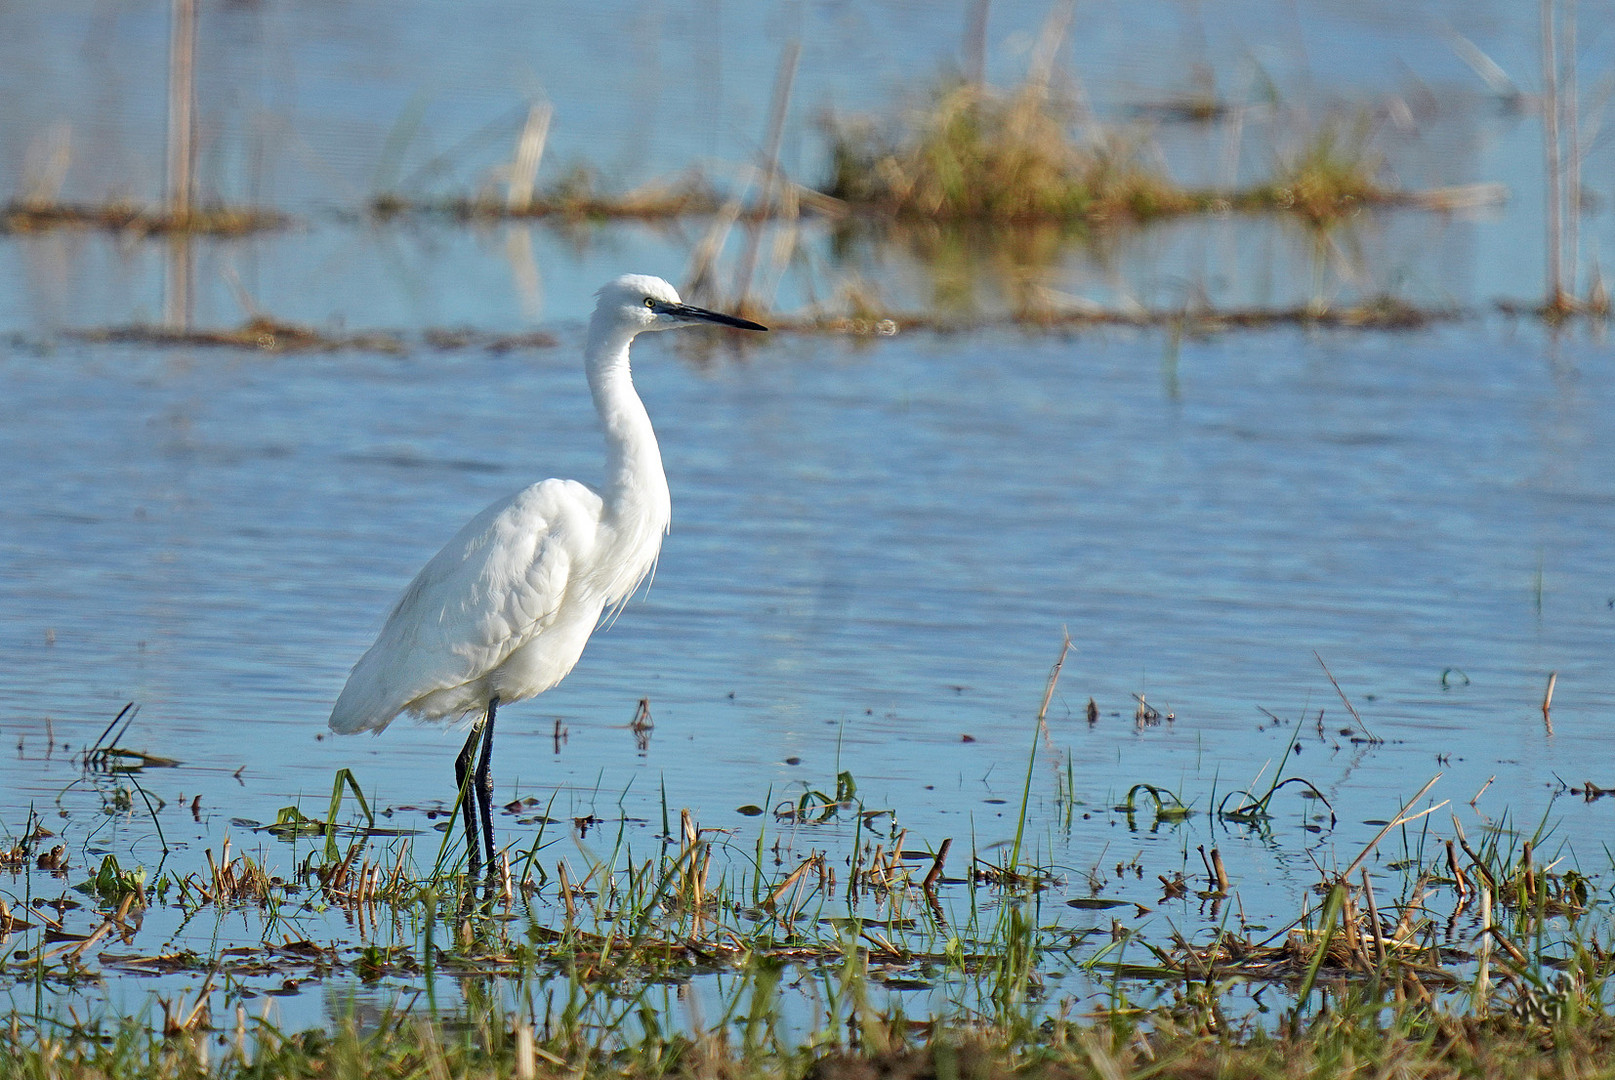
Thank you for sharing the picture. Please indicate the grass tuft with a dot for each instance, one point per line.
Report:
(974, 152)
(1332, 175)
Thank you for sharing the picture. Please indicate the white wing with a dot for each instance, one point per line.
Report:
(500, 582)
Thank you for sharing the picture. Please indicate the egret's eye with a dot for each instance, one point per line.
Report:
(650, 301)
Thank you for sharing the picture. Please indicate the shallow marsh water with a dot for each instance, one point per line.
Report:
(877, 545)
(878, 542)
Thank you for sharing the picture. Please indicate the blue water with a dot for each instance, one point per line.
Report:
(313, 110)
(878, 543)
(876, 549)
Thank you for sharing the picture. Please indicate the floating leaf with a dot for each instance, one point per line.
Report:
(291, 823)
(112, 882)
(116, 759)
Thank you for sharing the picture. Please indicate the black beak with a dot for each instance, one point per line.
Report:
(695, 314)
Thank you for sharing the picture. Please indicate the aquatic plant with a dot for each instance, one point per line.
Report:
(1332, 173)
(971, 151)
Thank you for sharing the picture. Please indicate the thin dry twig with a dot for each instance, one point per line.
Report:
(784, 80)
(1054, 679)
(785, 886)
(1373, 921)
(1345, 700)
(1402, 818)
(935, 873)
(529, 153)
(1459, 878)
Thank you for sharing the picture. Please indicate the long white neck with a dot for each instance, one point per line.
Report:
(637, 503)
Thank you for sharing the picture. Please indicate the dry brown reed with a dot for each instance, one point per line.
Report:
(576, 196)
(259, 333)
(130, 218)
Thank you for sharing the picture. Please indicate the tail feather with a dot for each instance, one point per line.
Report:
(362, 706)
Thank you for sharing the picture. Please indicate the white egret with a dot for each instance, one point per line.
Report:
(504, 610)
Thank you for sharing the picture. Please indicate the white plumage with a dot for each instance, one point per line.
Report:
(504, 610)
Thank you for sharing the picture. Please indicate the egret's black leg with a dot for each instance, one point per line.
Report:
(484, 780)
(468, 799)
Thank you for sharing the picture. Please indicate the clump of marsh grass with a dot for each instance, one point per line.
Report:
(1332, 173)
(972, 152)
(976, 152)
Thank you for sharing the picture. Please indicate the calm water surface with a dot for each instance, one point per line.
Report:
(876, 548)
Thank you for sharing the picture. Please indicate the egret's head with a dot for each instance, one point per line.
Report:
(639, 302)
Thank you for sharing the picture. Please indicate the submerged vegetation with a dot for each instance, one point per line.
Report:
(826, 943)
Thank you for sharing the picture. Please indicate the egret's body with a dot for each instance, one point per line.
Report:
(504, 610)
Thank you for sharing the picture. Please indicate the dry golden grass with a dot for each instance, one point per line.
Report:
(976, 152)
(973, 152)
(1332, 174)
(32, 216)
